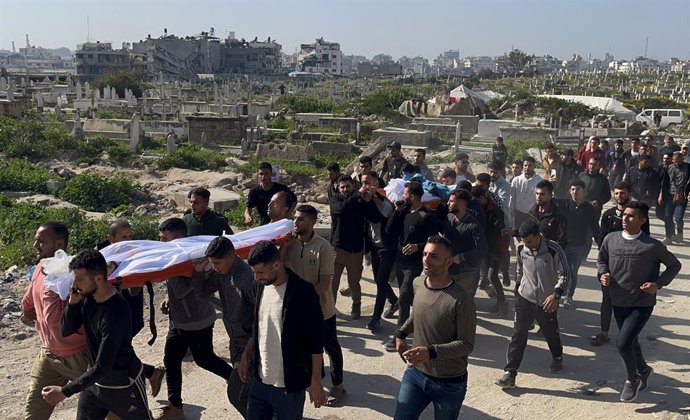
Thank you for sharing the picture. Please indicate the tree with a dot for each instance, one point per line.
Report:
(121, 80)
(486, 74)
(516, 62)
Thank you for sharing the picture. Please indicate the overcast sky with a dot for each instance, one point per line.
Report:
(368, 27)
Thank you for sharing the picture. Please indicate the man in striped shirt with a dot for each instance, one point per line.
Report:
(542, 279)
(443, 322)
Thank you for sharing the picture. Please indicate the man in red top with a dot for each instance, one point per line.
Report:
(590, 150)
(60, 359)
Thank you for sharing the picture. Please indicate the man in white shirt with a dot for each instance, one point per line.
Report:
(522, 197)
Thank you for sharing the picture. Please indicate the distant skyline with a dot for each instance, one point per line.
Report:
(364, 27)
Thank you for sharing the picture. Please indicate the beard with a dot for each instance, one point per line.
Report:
(270, 280)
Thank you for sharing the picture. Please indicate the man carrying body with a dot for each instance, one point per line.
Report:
(444, 325)
(260, 195)
(542, 280)
(200, 219)
(191, 317)
(60, 359)
(232, 278)
(311, 258)
(284, 355)
(612, 221)
(628, 265)
(393, 164)
(418, 159)
(114, 380)
(412, 223)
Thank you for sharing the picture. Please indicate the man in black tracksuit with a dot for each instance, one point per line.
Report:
(553, 223)
(644, 181)
(114, 380)
(413, 224)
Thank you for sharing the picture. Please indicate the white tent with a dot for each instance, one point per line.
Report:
(608, 105)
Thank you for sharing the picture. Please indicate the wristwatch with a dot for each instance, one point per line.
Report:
(557, 293)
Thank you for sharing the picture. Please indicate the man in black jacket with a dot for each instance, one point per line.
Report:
(565, 172)
(644, 181)
(348, 211)
(200, 219)
(413, 224)
(283, 358)
(597, 189)
(553, 223)
(114, 380)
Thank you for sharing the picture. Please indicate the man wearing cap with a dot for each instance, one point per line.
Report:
(393, 164)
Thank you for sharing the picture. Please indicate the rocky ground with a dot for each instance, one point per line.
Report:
(588, 388)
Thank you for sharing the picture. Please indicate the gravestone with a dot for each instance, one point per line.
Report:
(106, 92)
(78, 89)
(3, 84)
(171, 141)
(87, 90)
(39, 99)
(134, 133)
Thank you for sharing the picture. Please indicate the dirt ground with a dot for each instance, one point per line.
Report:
(588, 387)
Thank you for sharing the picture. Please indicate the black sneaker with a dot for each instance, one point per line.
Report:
(507, 381)
(506, 281)
(356, 311)
(390, 345)
(630, 390)
(556, 365)
(644, 376)
(374, 325)
(390, 312)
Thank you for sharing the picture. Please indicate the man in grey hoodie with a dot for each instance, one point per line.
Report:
(191, 328)
(542, 279)
(628, 266)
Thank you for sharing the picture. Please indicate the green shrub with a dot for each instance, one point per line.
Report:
(316, 167)
(21, 175)
(97, 193)
(236, 215)
(305, 103)
(517, 149)
(281, 122)
(192, 156)
(19, 221)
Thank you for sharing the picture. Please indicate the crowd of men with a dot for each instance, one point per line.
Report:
(428, 257)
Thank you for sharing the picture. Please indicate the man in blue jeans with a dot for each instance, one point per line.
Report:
(444, 323)
(628, 266)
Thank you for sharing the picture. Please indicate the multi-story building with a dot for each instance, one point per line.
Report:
(321, 57)
(351, 64)
(369, 68)
(480, 63)
(417, 66)
(96, 58)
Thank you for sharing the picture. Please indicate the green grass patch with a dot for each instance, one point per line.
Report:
(22, 175)
(94, 192)
(192, 156)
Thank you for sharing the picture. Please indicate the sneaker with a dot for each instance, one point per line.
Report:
(503, 309)
(507, 381)
(666, 241)
(630, 390)
(374, 325)
(644, 376)
(599, 340)
(356, 311)
(169, 412)
(390, 345)
(490, 291)
(156, 380)
(345, 292)
(556, 365)
(506, 281)
(679, 238)
(390, 312)
(567, 303)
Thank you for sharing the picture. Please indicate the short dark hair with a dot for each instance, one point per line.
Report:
(478, 192)
(287, 197)
(595, 138)
(639, 206)
(308, 209)
(333, 166)
(200, 192)
(441, 240)
(366, 159)
(263, 252)
(464, 185)
(499, 138)
(461, 156)
(529, 159)
(517, 162)
(632, 139)
(422, 151)
(545, 184)
(578, 183)
(415, 188)
(496, 165)
(265, 165)
(92, 261)
(117, 225)
(345, 178)
(219, 247)
(623, 185)
(173, 225)
(595, 158)
(59, 230)
(619, 141)
(461, 194)
(569, 152)
(372, 174)
(484, 177)
(528, 228)
(449, 173)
